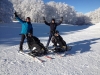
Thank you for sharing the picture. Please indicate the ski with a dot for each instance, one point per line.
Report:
(59, 53)
(35, 58)
(48, 57)
(38, 59)
(63, 55)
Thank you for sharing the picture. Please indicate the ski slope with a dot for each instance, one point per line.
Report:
(85, 59)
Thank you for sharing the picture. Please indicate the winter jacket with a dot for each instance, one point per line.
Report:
(53, 26)
(26, 26)
(58, 39)
(33, 40)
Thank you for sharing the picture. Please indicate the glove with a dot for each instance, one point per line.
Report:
(44, 18)
(15, 14)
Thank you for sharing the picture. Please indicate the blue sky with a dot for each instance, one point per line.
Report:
(83, 6)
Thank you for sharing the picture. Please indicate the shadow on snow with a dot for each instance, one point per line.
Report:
(82, 46)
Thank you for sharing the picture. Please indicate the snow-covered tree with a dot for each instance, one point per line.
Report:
(37, 9)
(30, 8)
(58, 9)
(94, 16)
(82, 19)
(6, 11)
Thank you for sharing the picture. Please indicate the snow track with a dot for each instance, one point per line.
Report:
(85, 51)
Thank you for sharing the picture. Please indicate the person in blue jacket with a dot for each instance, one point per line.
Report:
(26, 28)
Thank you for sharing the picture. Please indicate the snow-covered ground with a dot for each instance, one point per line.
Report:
(85, 59)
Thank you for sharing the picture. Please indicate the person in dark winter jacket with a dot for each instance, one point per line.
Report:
(53, 25)
(35, 46)
(57, 39)
(32, 40)
(26, 28)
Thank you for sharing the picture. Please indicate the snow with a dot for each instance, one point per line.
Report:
(85, 42)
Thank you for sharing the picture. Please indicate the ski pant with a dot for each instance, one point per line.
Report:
(50, 36)
(22, 41)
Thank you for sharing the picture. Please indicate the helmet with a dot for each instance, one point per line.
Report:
(56, 31)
